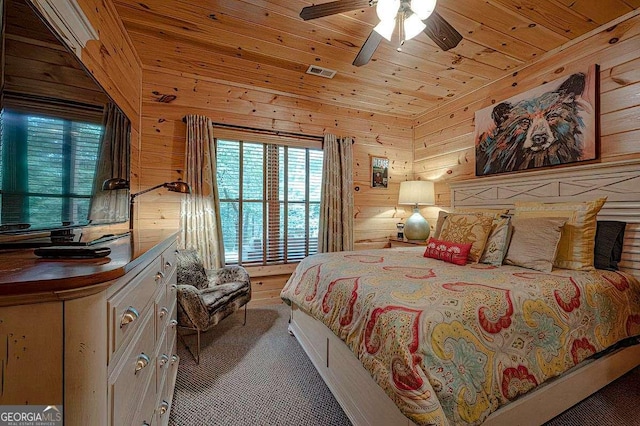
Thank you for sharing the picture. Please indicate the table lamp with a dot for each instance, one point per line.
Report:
(416, 193)
(119, 183)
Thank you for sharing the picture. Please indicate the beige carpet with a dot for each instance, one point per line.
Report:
(259, 375)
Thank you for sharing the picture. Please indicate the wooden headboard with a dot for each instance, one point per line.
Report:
(619, 182)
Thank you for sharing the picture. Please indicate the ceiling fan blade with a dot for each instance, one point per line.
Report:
(367, 50)
(332, 8)
(441, 32)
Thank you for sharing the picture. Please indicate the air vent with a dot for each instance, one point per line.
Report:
(322, 72)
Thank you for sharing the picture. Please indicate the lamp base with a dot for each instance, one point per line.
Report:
(416, 228)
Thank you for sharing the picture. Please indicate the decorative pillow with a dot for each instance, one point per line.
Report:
(576, 247)
(448, 251)
(534, 242)
(190, 269)
(442, 215)
(608, 245)
(498, 241)
(467, 228)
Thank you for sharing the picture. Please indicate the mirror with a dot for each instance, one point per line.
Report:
(61, 135)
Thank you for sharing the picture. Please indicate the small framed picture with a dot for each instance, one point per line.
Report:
(379, 172)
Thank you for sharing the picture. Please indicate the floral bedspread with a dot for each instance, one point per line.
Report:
(451, 344)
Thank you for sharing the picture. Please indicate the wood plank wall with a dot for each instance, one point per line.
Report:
(163, 144)
(444, 139)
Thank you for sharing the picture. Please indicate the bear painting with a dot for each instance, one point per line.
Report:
(551, 125)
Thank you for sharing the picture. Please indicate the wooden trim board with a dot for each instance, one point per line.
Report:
(366, 404)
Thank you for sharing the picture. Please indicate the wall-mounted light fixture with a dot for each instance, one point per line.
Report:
(119, 183)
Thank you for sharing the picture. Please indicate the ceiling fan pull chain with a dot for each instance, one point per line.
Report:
(401, 32)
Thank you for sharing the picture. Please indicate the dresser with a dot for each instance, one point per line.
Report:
(94, 337)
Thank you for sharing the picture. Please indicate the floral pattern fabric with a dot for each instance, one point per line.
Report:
(450, 344)
(335, 230)
(467, 228)
(200, 222)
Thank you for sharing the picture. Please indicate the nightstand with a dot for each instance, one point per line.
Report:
(397, 242)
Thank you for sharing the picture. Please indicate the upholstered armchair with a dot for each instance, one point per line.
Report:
(205, 297)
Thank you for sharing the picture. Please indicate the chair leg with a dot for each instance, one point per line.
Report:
(245, 315)
(195, 356)
(198, 350)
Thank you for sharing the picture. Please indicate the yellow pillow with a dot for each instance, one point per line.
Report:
(442, 215)
(467, 228)
(575, 250)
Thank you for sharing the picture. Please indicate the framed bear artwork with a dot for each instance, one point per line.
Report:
(553, 124)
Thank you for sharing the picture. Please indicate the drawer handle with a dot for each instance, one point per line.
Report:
(168, 264)
(142, 362)
(164, 407)
(163, 360)
(173, 323)
(159, 276)
(174, 359)
(174, 287)
(130, 315)
(145, 424)
(163, 311)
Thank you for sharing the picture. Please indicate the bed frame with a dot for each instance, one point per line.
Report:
(365, 403)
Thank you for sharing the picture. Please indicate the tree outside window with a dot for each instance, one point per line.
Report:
(269, 201)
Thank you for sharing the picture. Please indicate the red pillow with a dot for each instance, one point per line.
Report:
(448, 251)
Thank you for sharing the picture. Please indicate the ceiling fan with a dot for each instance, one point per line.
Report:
(410, 16)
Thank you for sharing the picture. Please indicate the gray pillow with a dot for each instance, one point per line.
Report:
(534, 242)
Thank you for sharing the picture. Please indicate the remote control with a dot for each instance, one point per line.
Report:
(72, 252)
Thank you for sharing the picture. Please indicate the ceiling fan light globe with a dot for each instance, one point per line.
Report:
(385, 28)
(413, 26)
(387, 9)
(423, 8)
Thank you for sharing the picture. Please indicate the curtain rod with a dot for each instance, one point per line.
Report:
(273, 132)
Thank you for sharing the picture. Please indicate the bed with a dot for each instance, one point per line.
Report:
(403, 339)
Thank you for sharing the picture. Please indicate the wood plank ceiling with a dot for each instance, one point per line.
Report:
(265, 44)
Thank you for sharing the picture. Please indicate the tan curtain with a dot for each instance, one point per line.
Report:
(200, 224)
(113, 162)
(336, 202)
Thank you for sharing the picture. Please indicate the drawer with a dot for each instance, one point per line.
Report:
(165, 400)
(165, 351)
(162, 311)
(127, 305)
(163, 362)
(147, 410)
(172, 327)
(133, 375)
(172, 288)
(169, 258)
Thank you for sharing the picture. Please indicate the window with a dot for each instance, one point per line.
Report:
(47, 169)
(269, 201)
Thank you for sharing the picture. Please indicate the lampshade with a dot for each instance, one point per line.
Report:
(413, 26)
(417, 192)
(387, 9)
(385, 28)
(178, 186)
(422, 8)
(114, 184)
